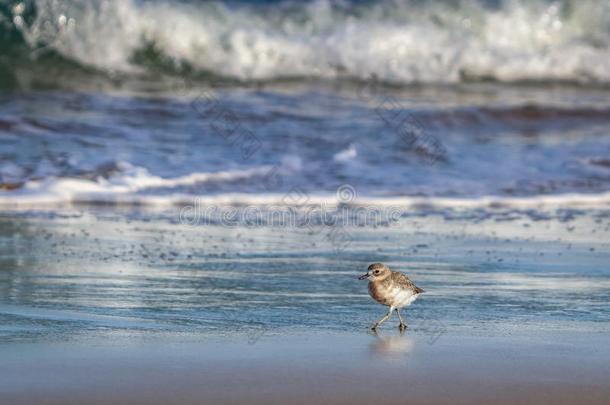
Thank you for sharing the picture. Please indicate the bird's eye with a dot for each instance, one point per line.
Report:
(376, 271)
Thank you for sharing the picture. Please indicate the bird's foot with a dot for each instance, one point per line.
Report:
(402, 327)
(374, 327)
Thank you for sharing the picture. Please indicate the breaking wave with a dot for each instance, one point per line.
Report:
(395, 41)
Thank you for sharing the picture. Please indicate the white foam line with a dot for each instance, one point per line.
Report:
(56, 198)
(406, 202)
(122, 189)
(568, 199)
(119, 189)
(143, 180)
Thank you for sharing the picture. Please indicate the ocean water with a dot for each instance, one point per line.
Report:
(159, 101)
(179, 166)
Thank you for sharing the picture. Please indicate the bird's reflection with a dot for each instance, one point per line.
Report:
(391, 345)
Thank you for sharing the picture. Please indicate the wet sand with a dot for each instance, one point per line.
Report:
(337, 368)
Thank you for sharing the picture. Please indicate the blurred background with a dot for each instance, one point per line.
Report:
(147, 101)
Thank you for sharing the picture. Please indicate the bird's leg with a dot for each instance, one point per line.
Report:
(402, 325)
(382, 320)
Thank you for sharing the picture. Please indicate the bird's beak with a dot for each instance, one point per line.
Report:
(364, 276)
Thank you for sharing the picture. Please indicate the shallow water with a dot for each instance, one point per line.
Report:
(75, 275)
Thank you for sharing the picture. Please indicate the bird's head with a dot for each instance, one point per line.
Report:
(376, 272)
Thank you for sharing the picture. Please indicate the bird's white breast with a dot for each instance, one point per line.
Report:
(402, 297)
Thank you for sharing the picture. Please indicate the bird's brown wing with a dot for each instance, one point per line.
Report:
(405, 282)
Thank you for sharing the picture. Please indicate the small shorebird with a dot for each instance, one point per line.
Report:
(392, 289)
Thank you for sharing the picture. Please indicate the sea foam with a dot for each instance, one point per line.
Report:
(398, 41)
